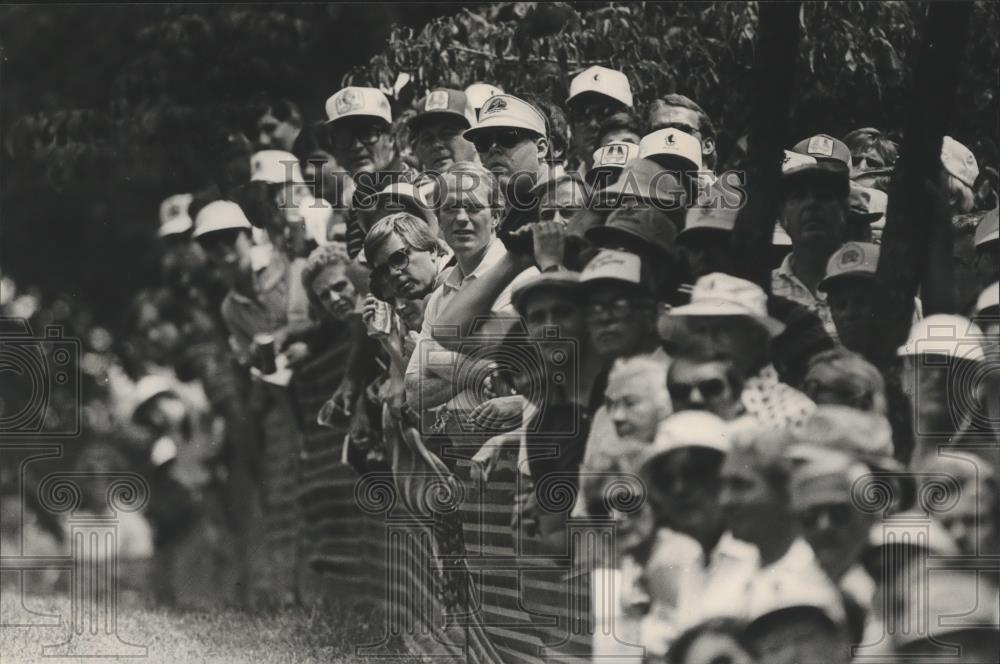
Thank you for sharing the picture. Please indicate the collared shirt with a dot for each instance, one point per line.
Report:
(774, 404)
(786, 284)
(713, 587)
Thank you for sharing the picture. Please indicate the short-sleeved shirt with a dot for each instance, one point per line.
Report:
(787, 285)
(451, 282)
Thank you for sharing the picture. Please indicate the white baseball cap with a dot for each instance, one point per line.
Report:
(507, 111)
(959, 161)
(720, 294)
(854, 259)
(174, 217)
(219, 216)
(674, 144)
(357, 101)
(275, 167)
(614, 265)
(686, 429)
(988, 229)
(711, 217)
(478, 93)
(603, 81)
(944, 334)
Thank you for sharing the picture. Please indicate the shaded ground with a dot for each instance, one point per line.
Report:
(285, 636)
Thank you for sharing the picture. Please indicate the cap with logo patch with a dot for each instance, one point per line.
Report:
(854, 259)
(611, 159)
(672, 147)
(478, 93)
(174, 217)
(959, 161)
(443, 103)
(508, 112)
(275, 167)
(599, 80)
(825, 148)
(358, 102)
(616, 265)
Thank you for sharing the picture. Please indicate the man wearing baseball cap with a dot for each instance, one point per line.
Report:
(436, 130)
(511, 138)
(679, 112)
(939, 350)
(816, 187)
(733, 314)
(595, 94)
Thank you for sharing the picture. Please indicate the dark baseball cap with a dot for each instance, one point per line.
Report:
(625, 226)
(443, 103)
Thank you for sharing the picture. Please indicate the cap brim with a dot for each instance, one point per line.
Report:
(491, 123)
(772, 325)
(854, 274)
(427, 116)
(357, 114)
(991, 237)
(599, 234)
(688, 231)
(864, 217)
(176, 226)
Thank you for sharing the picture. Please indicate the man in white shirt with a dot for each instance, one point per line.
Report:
(470, 206)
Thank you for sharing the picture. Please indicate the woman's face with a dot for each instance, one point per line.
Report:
(335, 291)
(636, 403)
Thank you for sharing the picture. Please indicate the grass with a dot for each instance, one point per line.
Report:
(292, 636)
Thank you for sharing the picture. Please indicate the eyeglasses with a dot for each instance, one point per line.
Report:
(342, 138)
(505, 138)
(549, 213)
(619, 308)
(710, 388)
(398, 261)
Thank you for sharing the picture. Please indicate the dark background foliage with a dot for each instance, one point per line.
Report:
(108, 109)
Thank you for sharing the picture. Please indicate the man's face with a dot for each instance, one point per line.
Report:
(636, 404)
(362, 145)
(228, 256)
(814, 212)
(619, 320)
(408, 272)
(735, 337)
(545, 308)
(686, 488)
(683, 119)
(335, 291)
(622, 135)
(695, 385)
(561, 202)
(926, 381)
(467, 217)
(852, 306)
(506, 152)
(439, 143)
(275, 134)
(708, 250)
(749, 503)
(836, 530)
(585, 116)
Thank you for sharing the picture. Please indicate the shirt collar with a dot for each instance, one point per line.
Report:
(494, 252)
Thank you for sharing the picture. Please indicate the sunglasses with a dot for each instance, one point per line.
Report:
(398, 261)
(710, 388)
(504, 138)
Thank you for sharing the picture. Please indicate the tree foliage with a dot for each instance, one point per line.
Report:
(106, 110)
